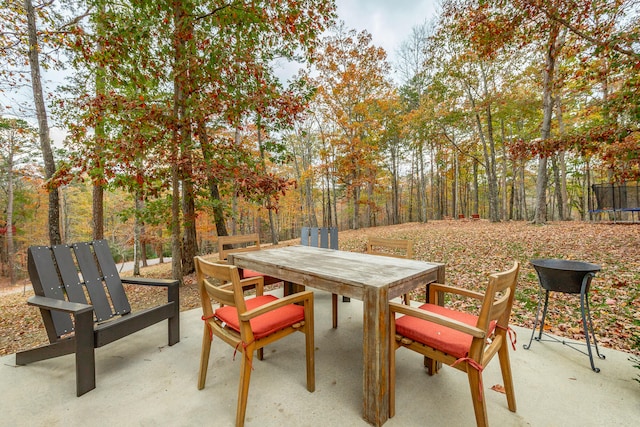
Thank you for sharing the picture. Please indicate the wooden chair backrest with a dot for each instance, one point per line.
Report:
(215, 281)
(222, 283)
(500, 295)
(496, 306)
(319, 237)
(399, 248)
(247, 242)
(54, 273)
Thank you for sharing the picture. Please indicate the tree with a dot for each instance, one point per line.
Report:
(16, 138)
(171, 95)
(43, 124)
(352, 77)
(415, 77)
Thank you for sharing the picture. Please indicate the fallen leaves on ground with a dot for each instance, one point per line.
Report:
(470, 250)
(499, 388)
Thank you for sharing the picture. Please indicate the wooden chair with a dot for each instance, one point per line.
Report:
(61, 295)
(242, 243)
(459, 339)
(399, 248)
(324, 237)
(249, 325)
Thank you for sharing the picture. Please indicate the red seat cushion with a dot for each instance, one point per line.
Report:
(250, 273)
(447, 340)
(267, 323)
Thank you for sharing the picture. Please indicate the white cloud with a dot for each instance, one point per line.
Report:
(389, 22)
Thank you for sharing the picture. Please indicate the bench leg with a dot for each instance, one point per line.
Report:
(85, 353)
(174, 321)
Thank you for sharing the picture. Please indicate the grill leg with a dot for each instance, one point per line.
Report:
(544, 314)
(587, 322)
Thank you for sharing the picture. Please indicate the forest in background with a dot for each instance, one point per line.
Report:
(180, 128)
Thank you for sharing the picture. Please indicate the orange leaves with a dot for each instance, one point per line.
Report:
(499, 388)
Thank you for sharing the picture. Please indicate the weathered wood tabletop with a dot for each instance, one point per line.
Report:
(370, 278)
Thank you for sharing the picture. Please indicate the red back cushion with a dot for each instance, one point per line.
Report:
(440, 337)
(267, 323)
(250, 273)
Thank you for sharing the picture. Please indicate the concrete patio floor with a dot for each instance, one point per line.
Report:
(143, 382)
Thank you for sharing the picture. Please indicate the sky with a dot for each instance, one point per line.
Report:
(389, 22)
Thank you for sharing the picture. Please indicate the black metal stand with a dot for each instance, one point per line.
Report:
(547, 284)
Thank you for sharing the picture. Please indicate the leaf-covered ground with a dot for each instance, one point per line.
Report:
(470, 249)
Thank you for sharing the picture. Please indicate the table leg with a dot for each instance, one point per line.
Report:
(376, 355)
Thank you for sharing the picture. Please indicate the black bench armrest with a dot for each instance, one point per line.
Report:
(59, 305)
(145, 281)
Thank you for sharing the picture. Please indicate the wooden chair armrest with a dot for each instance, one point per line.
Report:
(439, 287)
(436, 318)
(257, 281)
(251, 281)
(59, 305)
(147, 281)
(280, 302)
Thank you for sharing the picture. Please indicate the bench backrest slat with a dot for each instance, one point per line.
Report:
(93, 281)
(111, 277)
(46, 282)
(69, 273)
(319, 237)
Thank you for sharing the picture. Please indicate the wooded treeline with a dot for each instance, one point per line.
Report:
(180, 125)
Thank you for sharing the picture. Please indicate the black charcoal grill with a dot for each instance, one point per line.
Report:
(572, 277)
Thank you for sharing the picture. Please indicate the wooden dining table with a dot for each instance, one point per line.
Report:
(372, 279)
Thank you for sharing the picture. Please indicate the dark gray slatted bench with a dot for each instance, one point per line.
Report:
(79, 325)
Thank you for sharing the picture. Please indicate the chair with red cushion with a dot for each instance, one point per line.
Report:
(397, 248)
(460, 339)
(249, 325)
(242, 243)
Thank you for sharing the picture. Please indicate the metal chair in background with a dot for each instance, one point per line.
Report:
(324, 237)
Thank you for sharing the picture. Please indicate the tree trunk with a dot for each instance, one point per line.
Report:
(9, 217)
(585, 190)
(454, 187)
(563, 196)
(503, 179)
(488, 149)
(137, 223)
(272, 225)
(97, 209)
(178, 103)
(43, 126)
(476, 188)
(553, 49)
(97, 199)
(189, 246)
(214, 191)
(422, 184)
